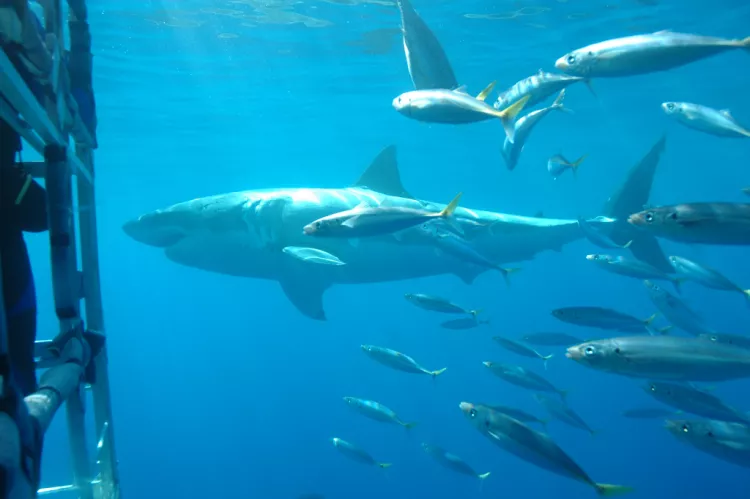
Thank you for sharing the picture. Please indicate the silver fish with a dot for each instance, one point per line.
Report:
(562, 412)
(602, 318)
(551, 339)
(705, 119)
(631, 267)
(437, 304)
(705, 275)
(538, 87)
(675, 310)
(428, 65)
(397, 360)
(558, 164)
(356, 454)
(513, 147)
(377, 411)
(367, 222)
(531, 446)
(522, 377)
(521, 349)
(464, 323)
(702, 223)
(642, 54)
(312, 255)
(664, 357)
(598, 238)
(694, 401)
(452, 461)
(454, 107)
(729, 442)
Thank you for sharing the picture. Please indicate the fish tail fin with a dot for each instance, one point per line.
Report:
(627, 244)
(483, 476)
(746, 292)
(665, 330)
(484, 93)
(437, 373)
(385, 465)
(506, 272)
(558, 104)
(575, 164)
(475, 313)
(409, 425)
(745, 43)
(650, 319)
(608, 490)
(545, 358)
(448, 210)
(508, 116)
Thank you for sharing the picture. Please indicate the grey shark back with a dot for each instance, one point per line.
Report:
(630, 198)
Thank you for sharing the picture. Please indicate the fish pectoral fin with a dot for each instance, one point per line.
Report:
(351, 222)
(306, 294)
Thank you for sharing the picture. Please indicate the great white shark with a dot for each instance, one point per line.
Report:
(243, 233)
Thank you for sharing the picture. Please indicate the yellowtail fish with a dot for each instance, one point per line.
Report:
(694, 401)
(521, 349)
(532, 446)
(312, 255)
(705, 119)
(356, 454)
(539, 87)
(602, 318)
(705, 275)
(642, 54)
(561, 411)
(630, 267)
(729, 442)
(558, 164)
(452, 461)
(437, 304)
(676, 310)
(523, 377)
(397, 360)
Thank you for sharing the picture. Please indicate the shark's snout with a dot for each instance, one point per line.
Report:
(146, 231)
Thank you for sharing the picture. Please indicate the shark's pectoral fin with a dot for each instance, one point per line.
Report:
(646, 248)
(469, 273)
(306, 294)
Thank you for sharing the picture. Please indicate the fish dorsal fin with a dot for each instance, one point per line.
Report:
(461, 89)
(726, 113)
(383, 176)
(484, 93)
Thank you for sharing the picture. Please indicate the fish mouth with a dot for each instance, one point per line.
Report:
(635, 219)
(591, 258)
(308, 230)
(561, 64)
(487, 363)
(465, 407)
(573, 353)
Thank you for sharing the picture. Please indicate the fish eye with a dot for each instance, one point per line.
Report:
(670, 106)
(649, 217)
(685, 428)
(617, 350)
(473, 413)
(589, 350)
(571, 59)
(711, 434)
(653, 388)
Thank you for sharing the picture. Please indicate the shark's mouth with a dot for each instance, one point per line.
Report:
(148, 230)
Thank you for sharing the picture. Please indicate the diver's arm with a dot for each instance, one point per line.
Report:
(24, 202)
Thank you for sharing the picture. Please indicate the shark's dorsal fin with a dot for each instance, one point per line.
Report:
(383, 176)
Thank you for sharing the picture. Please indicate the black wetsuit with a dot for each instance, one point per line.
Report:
(23, 208)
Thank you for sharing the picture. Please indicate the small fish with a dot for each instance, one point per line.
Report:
(557, 165)
(312, 255)
(518, 414)
(551, 339)
(397, 360)
(746, 191)
(531, 446)
(363, 221)
(562, 412)
(596, 237)
(455, 107)
(705, 275)
(538, 87)
(437, 304)
(729, 442)
(705, 119)
(642, 54)
(648, 413)
(694, 401)
(675, 310)
(356, 454)
(701, 223)
(602, 318)
(727, 339)
(377, 411)
(631, 267)
(522, 377)
(464, 323)
(512, 148)
(452, 461)
(670, 358)
(459, 247)
(521, 349)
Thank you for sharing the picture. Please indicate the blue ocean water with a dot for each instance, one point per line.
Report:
(221, 388)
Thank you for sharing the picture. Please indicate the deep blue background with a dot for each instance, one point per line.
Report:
(222, 389)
